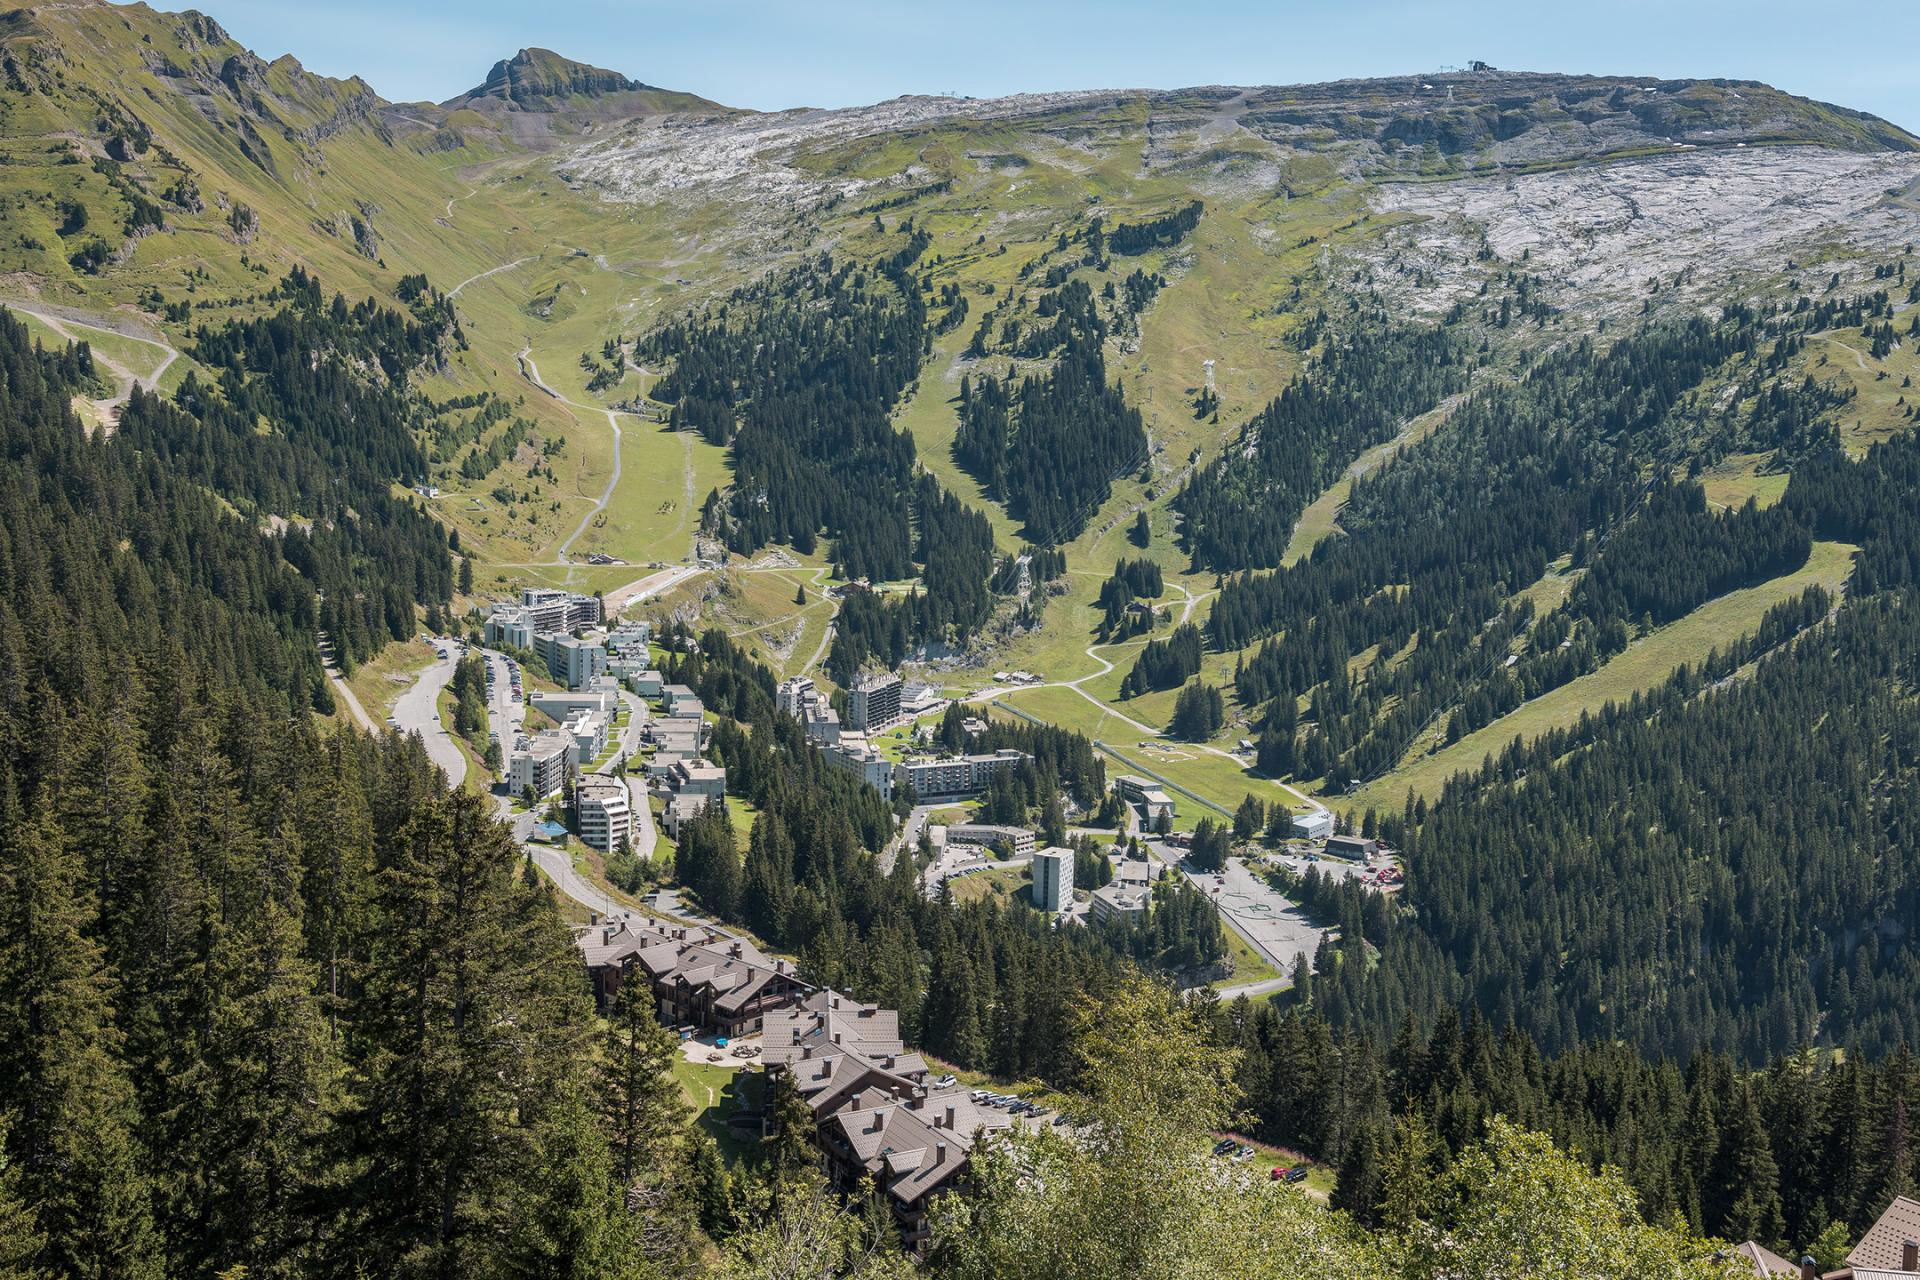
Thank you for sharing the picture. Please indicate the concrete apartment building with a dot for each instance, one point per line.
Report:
(573, 663)
(873, 700)
(1147, 796)
(986, 835)
(673, 741)
(540, 609)
(677, 702)
(852, 752)
(542, 763)
(606, 812)
(681, 810)
(550, 609)
(1118, 901)
(1053, 879)
(697, 778)
(792, 696)
(954, 777)
(799, 699)
(630, 639)
(601, 694)
(588, 729)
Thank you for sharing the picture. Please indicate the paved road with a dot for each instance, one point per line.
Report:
(418, 711)
(657, 583)
(644, 835)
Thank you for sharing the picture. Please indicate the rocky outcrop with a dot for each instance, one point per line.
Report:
(540, 79)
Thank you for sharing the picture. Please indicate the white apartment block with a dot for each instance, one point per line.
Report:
(1053, 879)
(542, 763)
(606, 812)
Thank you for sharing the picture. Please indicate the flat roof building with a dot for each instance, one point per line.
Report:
(1053, 879)
(1351, 847)
(986, 835)
(606, 812)
(951, 777)
(873, 700)
(1118, 901)
(852, 752)
(1315, 824)
(697, 778)
(542, 763)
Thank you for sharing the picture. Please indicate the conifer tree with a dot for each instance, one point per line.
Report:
(75, 1116)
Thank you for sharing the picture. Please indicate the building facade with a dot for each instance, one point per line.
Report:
(606, 812)
(953, 777)
(1053, 879)
(873, 699)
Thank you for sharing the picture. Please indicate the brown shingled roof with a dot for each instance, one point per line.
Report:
(1885, 1240)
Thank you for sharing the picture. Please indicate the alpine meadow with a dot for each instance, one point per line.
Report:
(1242, 682)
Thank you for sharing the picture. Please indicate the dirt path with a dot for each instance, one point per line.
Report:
(341, 690)
(491, 271)
(532, 372)
(106, 411)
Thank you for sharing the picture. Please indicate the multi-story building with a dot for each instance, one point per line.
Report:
(630, 639)
(601, 694)
(953, 777)
(678, 702)
(1147, 796)
(541, 763)
(852, 752)
(571, 662)
(588, 729)
(1118, 901)
(553, 610)
(696, 975)
(673, 741)
(681, 810)
(873, 700)
(606, 812)
(1053, 879)
(986, 835)
(697, 778)
(793, 696)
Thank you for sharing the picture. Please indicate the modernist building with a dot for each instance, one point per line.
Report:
(606, 812)
(873, 700)
(953, 777)
(1053, 879)
(542, 763)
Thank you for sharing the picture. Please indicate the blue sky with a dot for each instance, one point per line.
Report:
(755, 53)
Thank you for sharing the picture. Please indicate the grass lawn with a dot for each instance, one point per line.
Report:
(1646, 662)
(715, 1092)
(1003, 884)
(1248, 966)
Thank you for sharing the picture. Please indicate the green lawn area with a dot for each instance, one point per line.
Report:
(1646, 662)
(1248, 966)
(715, 1092)
(1004, 884)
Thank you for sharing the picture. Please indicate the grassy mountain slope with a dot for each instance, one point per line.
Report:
(155, 166)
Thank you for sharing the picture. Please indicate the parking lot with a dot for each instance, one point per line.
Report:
(1274, 927)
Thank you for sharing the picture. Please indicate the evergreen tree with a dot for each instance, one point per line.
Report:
(74, 1127)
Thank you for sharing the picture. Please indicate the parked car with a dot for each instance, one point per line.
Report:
(1279, 1173)
(1223, 1146)
(945, 1082)
(1244, 1153)
(1296, 1174)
